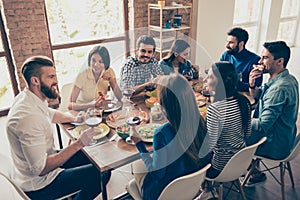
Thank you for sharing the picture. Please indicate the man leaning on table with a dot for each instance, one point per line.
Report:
(41, 171)
(139, 68)
(277, 109)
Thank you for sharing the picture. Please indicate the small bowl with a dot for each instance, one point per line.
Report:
(123, 131)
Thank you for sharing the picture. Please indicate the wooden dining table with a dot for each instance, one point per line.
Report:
(110, 155)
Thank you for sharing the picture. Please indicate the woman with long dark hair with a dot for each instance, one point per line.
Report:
(228, 119)
(176, 143)
(177, 60)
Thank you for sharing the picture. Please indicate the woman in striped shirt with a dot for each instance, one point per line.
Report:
(228, 118)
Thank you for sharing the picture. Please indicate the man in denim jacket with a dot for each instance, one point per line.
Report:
(278, 105)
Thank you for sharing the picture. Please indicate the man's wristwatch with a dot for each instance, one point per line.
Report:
(252, 87)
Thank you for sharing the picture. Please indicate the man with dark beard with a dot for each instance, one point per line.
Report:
(139, 68)
(240, 57)
(41, 171)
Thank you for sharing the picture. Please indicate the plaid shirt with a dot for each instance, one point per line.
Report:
(137, 73)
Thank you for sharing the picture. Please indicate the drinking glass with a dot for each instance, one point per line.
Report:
(127, 91)
(188, 74)
(151, 86)
(93, 118)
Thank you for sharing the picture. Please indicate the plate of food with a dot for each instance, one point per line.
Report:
(111, 105)
(146, 131)
(119, 117)
(151, 93)
(101, 131)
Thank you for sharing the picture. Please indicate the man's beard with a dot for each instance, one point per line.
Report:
(48, 91)
(234, 51)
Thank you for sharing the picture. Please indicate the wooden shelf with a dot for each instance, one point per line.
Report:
(163, 36)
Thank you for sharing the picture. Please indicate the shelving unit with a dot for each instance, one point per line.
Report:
(162, 35)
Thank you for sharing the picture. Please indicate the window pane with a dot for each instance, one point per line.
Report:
(290, 8)
(252, 42)
(69, 62)
(6, 91)
(78, 20)
(287, 31)
(246, 11)
(1, 45)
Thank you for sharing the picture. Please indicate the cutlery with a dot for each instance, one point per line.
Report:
(132, 102)
(114, 137)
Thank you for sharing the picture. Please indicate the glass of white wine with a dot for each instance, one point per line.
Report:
(93, 118)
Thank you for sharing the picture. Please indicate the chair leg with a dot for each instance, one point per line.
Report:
(247, 176)
(290, 173)
(241, 189)
(282, 180)
(221, 191)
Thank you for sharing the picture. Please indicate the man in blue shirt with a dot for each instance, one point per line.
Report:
(277, 107)
(240, 57)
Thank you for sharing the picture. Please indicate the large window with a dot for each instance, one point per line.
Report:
(289, 19)
(247, 14)
(76, 26)
(8, 83)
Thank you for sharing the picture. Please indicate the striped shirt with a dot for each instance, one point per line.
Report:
(225, 134)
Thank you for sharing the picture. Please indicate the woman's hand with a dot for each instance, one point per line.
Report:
(134, 136)
(107, 76)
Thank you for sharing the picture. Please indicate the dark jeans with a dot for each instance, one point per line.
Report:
(79, 174)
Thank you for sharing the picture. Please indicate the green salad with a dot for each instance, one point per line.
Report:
(147, 130)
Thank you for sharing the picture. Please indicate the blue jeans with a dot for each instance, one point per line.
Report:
(79, 174)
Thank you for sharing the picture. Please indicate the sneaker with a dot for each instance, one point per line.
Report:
(205, 195)
(256, 179)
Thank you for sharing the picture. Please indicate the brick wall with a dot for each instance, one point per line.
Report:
(27, 31)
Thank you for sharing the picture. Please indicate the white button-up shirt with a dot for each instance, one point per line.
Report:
(30, 134)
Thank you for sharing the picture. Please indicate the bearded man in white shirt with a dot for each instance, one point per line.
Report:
(41, 171)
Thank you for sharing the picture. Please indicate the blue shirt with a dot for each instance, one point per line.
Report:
(167, 67)
(166, 164)
(278, 111)
(243, 61)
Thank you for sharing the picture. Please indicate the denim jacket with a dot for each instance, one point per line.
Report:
(278, 111)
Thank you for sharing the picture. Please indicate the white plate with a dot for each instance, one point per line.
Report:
(110, 105)
(149, 128)
(78, 123)
(100, 133)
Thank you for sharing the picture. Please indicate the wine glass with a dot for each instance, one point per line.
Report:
(151, 86)
(128, 91)
(188, 74)
(93, 118)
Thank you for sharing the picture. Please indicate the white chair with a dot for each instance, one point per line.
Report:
(235, 168)
(9, 190)
(283, 164)
(184, 187)
(65, 93)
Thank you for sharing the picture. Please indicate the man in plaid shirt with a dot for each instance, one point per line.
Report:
(139, 69)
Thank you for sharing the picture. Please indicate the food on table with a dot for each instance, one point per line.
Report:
(123, 131)
(147, 131)
(152, 93)
(151, 101)
(203, 112)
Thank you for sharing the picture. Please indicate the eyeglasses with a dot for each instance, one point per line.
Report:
(144, 51)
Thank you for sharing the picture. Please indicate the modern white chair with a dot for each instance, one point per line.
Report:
(9, 190)
(235, 168)
(65, 93)
(283, 164)
(184, 187)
